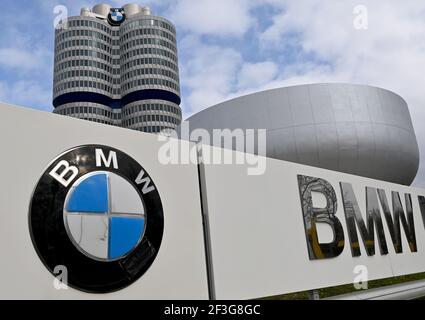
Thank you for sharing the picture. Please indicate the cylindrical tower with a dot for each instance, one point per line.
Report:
(83, 69)
(118, 66)
(149, 74)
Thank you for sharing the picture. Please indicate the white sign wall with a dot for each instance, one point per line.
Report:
(29, 141)
(258, 238)
(255, 226)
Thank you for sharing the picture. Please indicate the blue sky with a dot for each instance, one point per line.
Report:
(232, 47)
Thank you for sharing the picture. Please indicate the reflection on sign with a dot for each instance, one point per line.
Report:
(375, 200)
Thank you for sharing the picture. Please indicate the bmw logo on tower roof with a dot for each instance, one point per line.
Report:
(97, 212)
(116, 16)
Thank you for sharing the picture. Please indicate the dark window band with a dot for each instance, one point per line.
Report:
(147, 94)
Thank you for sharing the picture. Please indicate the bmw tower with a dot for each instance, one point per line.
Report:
(118, 66)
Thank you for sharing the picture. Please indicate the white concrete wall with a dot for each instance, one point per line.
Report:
(257, 232)
(29, 141)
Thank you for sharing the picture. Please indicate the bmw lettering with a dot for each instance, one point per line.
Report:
(97, 212)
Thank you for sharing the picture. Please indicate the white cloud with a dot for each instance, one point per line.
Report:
(208, 73)
(219, 17)
(22, 59)
(389, 54)
(26, 93)
(254, 75)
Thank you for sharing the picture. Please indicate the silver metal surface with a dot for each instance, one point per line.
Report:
(312, 215)
(353, 216)
(393, 220)
(355, 129)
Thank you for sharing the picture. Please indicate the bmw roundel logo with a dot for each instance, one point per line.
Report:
(116, 16)
(97, 212)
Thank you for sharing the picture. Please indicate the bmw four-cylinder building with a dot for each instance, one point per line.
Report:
(100, 212)
(118, 68)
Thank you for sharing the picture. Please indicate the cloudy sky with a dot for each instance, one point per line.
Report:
(233, 47)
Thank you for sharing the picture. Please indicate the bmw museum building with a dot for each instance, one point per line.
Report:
(89, 209)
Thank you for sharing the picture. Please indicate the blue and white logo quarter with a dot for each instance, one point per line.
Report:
(117, 16)
(104, 216)
(98, 212)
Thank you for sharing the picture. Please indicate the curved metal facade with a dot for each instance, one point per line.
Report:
(106, 69)
(355, 129)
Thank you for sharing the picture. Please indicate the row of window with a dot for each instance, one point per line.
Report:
(150, 82)
(150, 118)
(148, 31)
(148, 41)
(151, 107)
(150, 71)
(85, 73)
(98, 55)
(82, 33)
(89, 110)
(96, 44)
(108, 68)
(93, 120)
(125, 123)
(84, 63)
(89, 24)
(131, 44)
(147, 22)
(155, 129)
(86, 43)
(125, 112)
(84, 84)
(98, 35)
(87, 53)
(144, 61)
(151, 51)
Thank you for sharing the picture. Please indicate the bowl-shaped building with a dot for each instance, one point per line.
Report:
(356, 129)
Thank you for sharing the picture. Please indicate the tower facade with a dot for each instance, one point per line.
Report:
(118, 66)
